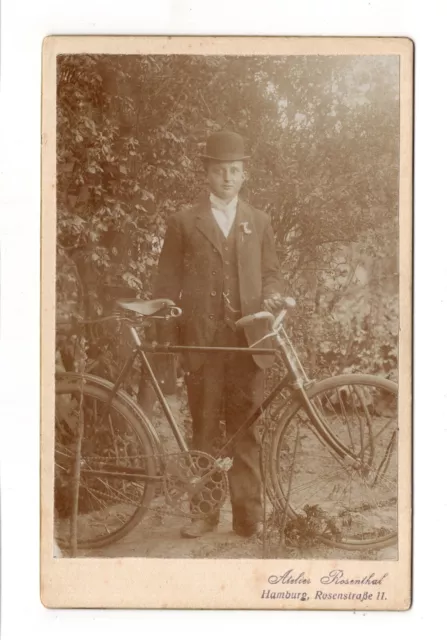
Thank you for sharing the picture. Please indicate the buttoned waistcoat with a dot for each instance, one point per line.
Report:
(191, 272)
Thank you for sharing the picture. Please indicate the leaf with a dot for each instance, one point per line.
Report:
(132, 280)
(147, 195)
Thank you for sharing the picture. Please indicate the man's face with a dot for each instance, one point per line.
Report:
(226, 178)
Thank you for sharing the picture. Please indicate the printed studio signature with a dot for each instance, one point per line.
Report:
(337, 576)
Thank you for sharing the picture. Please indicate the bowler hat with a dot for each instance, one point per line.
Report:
(225, 146)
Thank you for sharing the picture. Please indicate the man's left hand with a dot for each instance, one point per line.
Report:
(273, 303)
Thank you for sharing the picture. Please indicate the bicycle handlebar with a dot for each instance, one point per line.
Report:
(246, 321)
(175, 312)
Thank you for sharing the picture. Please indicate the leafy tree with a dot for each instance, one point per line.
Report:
(323, 132)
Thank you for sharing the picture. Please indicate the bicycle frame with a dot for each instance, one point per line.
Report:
(293, 379)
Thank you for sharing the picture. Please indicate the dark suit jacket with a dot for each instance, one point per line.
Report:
(190, 272)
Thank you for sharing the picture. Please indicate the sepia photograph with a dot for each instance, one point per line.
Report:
(227, 308)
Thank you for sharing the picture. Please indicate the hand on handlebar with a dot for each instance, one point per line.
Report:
(285, 304)
(273, 303)
(276, 302)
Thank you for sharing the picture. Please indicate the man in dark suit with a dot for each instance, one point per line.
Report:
(219, 263)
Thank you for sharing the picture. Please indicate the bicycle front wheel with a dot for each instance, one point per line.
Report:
(117, 463)
(350, 501)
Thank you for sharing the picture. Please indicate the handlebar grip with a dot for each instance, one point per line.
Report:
(249, 320)
(245, 321)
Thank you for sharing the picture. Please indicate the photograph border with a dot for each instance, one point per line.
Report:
(232, 584)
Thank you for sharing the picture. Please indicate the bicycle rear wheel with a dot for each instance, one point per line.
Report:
(343, 503)
(117, 459)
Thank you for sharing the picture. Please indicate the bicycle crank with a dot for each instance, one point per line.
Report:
(195, 484)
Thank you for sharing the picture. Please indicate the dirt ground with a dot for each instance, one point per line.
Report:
(158, 536)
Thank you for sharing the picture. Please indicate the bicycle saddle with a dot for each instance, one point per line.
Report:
(146, 307)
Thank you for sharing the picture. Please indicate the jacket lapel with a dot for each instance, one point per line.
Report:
(206, 223)
(244, 229)
(247, 244)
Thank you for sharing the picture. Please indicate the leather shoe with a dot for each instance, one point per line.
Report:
(198, 528)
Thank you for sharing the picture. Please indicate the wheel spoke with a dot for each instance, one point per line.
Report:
(359, 494)
(108, 507)
(328, 478)
(346, 419)
(311, 483)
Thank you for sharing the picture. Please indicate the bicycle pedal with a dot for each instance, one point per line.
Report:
(224, 464)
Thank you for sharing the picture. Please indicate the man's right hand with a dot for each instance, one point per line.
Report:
(273, 303)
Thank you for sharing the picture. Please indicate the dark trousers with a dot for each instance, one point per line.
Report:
(228, 388)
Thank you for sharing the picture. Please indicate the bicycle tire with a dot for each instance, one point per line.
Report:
(290, 413)
(140, 433)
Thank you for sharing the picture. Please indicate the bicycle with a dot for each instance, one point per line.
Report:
(331, 447)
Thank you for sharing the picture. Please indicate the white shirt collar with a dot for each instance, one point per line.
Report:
(224, 213)
(220, 205)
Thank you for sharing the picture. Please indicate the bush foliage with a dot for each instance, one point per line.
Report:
(323, 133)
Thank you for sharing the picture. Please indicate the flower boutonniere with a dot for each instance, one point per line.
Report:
(245, 228)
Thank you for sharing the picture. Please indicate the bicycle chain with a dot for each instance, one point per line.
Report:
(194, 483)
(155, 509)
